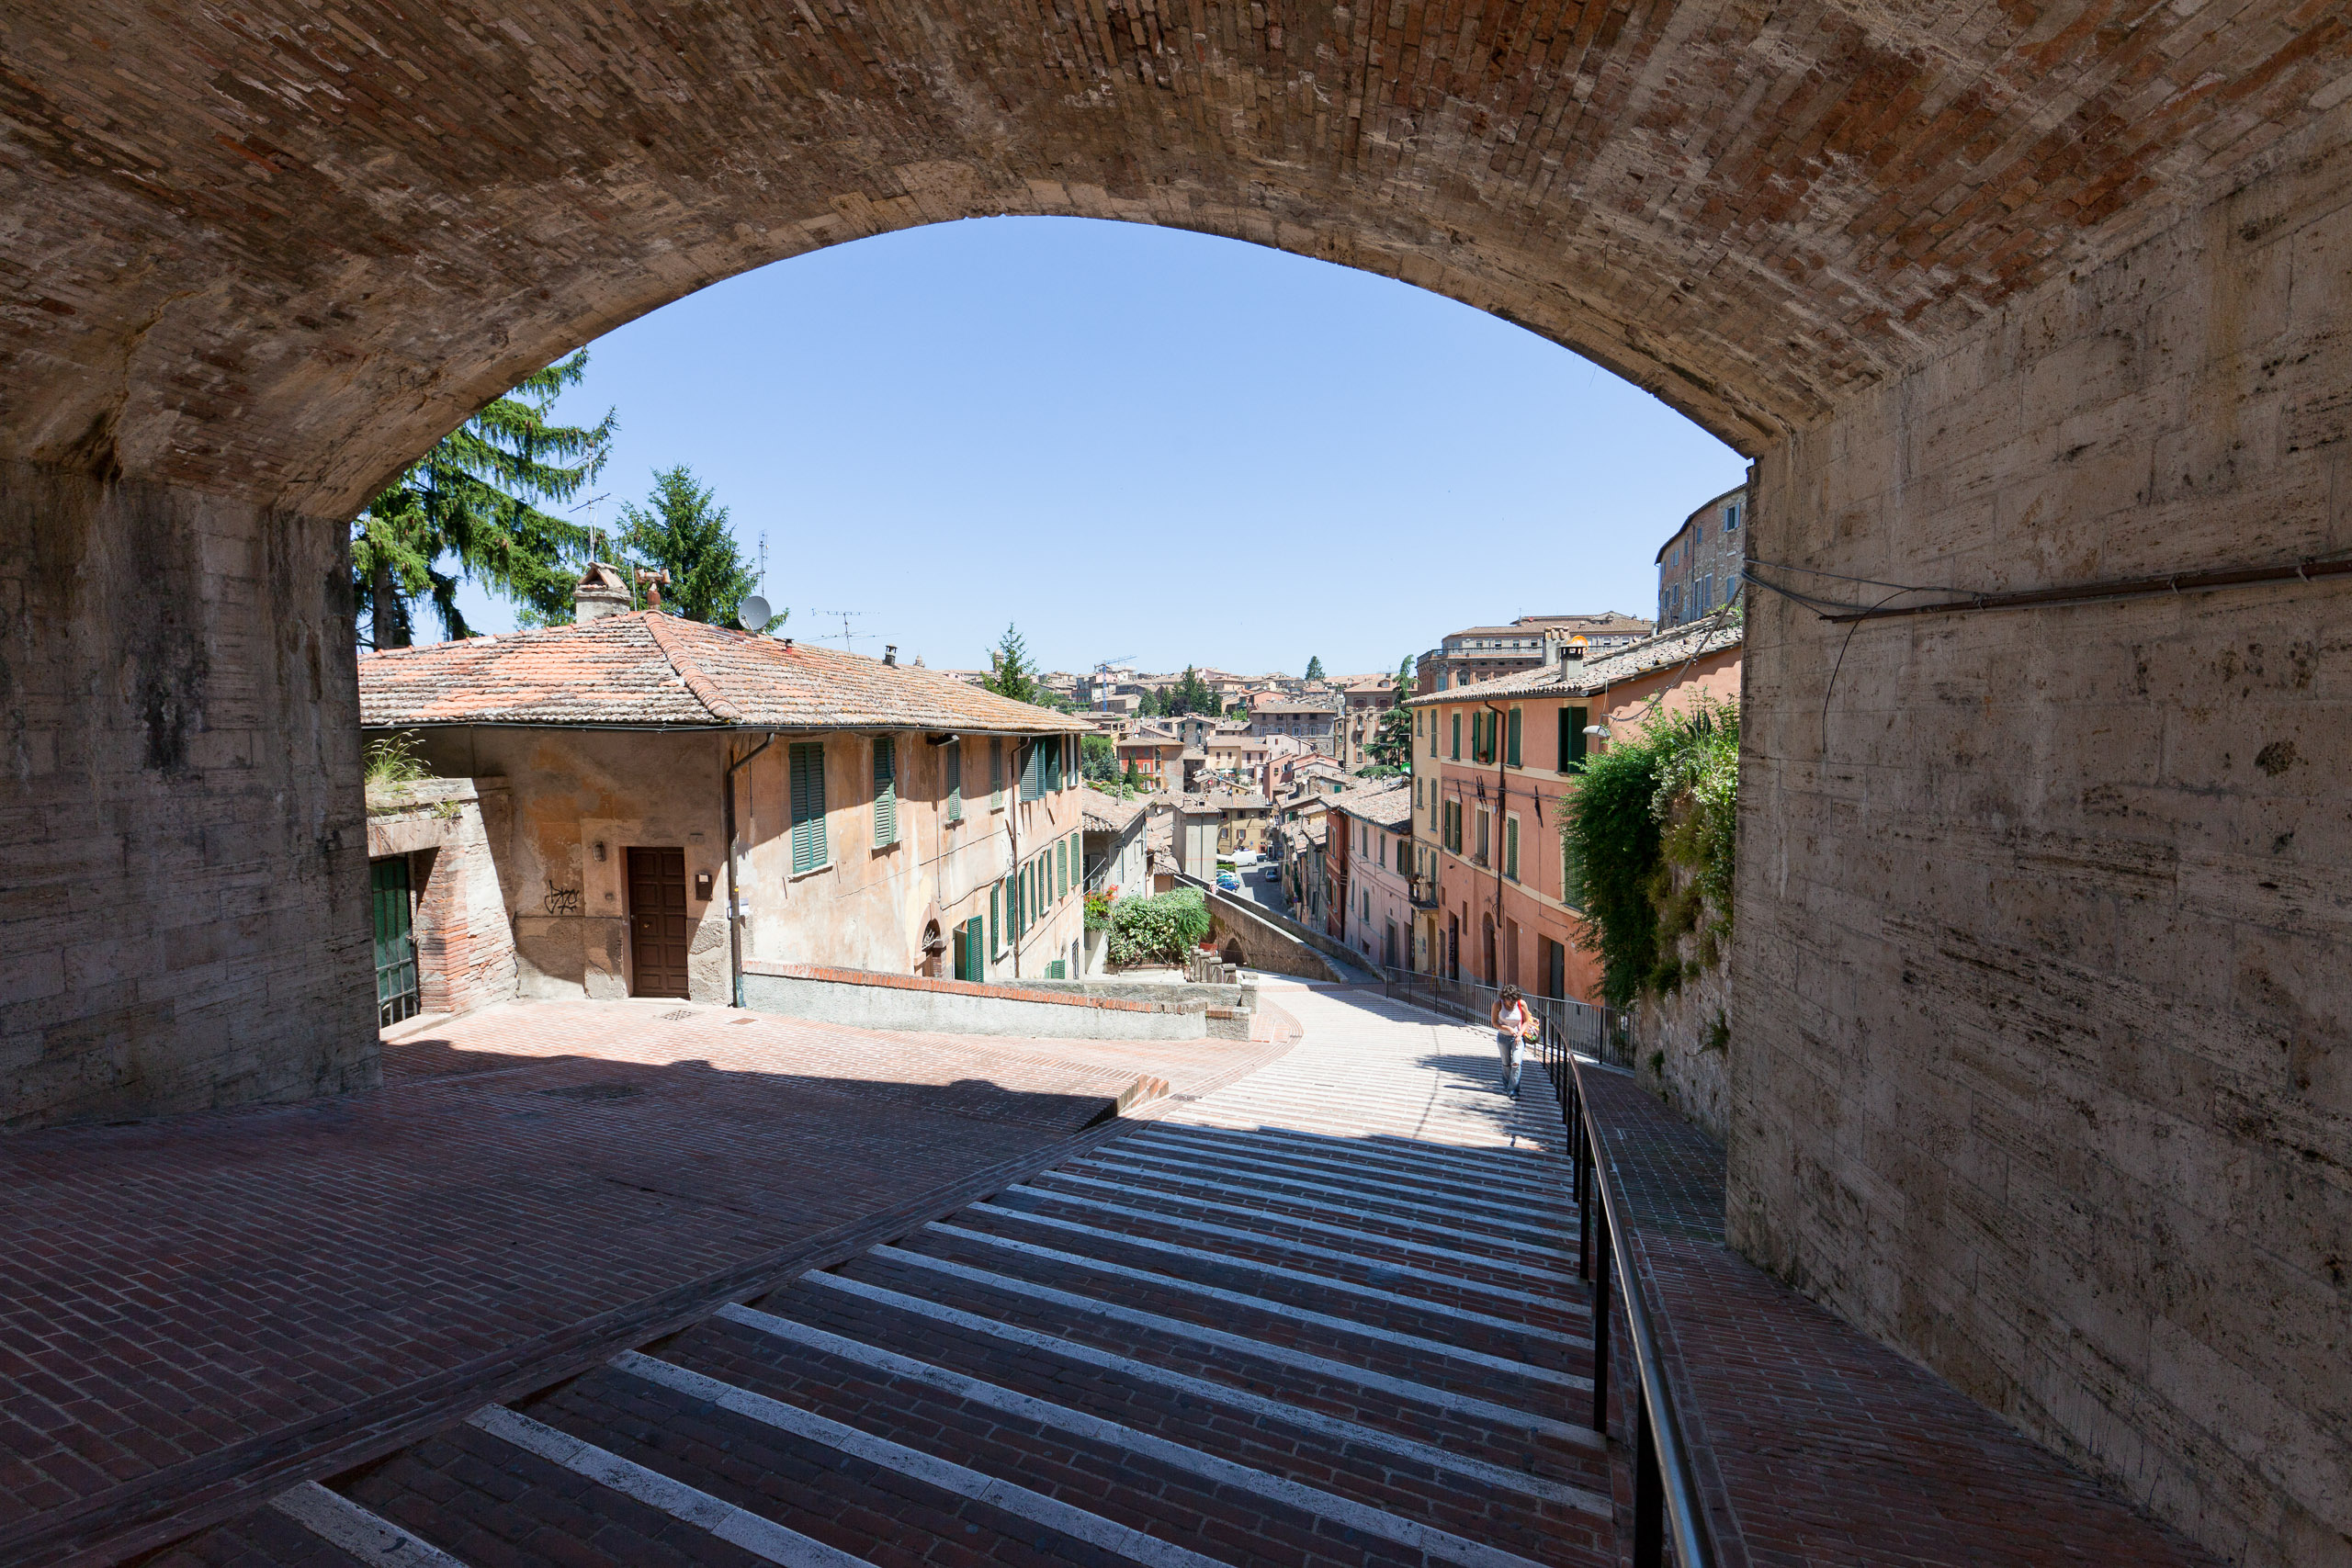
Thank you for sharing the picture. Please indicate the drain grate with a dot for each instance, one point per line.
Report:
(674, 1016)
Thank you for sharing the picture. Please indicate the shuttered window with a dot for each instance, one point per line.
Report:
(1511, 847)
(885, 791)
(1033, 767)
(807, 765)
(996, 771)
(996, 919)
(1511, 744)
(1061, 868)
(1457, 737)
(1432, 718)
(1572, 736)
(952, 756)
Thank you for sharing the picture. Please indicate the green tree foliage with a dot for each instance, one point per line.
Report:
(1010, 673)
(1158, 929)
(682, 530)
(1391, 745)
(1405, 678)
(1147, 706)
(1315, 667)
(1098, 758)
(1663, 799)
(468, 510)
(1191, 694)
(1133, 779)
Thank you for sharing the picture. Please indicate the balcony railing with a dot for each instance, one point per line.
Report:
(1424, 893)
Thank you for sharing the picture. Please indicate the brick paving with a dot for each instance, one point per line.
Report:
(199, 1306)
(1812, 1443)
(1332, 1322)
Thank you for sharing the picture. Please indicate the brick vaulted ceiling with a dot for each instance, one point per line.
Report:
(272, 248)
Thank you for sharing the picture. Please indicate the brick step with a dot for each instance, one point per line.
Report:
(277, 1538)
(1385, 1304)
(1526, 1374)
(929, 1298)
(1223, 1484)
(828, 1332)
(1536, 1303)
(1339, 1159)
(1230, 1198)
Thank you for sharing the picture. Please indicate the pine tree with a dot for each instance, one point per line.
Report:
(682, 532)
(1010, 674)
(1404, 679)
(1315, 668)
(469, 504)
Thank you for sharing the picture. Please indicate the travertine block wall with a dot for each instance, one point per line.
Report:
(184, 911)
(2042, 1065)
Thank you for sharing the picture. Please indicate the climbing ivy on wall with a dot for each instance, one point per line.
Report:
(1661, 800)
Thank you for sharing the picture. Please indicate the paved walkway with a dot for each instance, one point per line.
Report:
(1325, 1316)
(205, 1304)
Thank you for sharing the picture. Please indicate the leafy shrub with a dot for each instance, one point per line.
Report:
(1098, 911)
(1662, 799)
(1158, 929)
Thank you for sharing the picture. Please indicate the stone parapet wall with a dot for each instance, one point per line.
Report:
(866, 1000)
(2042, 1059)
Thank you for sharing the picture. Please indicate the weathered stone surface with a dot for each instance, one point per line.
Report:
(2042, 1066)
(184, 912)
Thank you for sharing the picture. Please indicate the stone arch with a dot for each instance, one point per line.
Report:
(2048, 296)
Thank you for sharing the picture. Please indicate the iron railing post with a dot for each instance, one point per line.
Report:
(1601, 1319)
(1649, 1489)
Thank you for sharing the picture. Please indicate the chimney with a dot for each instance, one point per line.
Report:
(601, 592)
(891, 653)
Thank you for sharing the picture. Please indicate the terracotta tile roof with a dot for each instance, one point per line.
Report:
(648, 669)
(1107, 813)
(1381, 807)
(1583, 678)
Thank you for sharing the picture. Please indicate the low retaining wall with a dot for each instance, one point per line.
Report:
(1273, 942)
(864, 999)
(1183, 996)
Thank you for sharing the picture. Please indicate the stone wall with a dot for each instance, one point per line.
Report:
(185, 900)
(1682, 1041)
(465, 941)
(2042, 1059)
(865, 999)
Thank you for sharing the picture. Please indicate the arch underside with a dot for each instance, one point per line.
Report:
(274, 253)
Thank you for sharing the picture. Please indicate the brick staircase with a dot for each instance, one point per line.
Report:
(1325, 1317)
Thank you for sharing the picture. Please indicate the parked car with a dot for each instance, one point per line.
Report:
(1274, 871)
(1230, 881)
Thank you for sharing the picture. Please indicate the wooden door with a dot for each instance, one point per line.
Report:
(657, 924)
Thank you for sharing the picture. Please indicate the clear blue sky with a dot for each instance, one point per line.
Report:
(1142, 442)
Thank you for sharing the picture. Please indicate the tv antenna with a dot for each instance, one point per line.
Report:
(596, 535)
(846, 617)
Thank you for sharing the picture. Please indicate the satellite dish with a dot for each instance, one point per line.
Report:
(754, 613)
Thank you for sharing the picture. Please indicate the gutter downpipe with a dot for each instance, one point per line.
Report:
(734, 894)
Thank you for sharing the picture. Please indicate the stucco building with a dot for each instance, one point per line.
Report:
(1492, 764)
(1371, 836)
(656, 772)
(1484, 653)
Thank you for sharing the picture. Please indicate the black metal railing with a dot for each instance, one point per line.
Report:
(1566, 1025)
(1666, 1500)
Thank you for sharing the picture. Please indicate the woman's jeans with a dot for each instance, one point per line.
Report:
(1509, 1045)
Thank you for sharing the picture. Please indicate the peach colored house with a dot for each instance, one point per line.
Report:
(1493, 763)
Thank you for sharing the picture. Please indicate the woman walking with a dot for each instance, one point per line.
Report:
(1513, 1023)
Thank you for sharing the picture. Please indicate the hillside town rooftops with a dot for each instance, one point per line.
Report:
(1386, 808)
(1574, 677)
(647, 670)
(1107, 813)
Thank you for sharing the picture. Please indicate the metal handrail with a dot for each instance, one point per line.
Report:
(1662, 1480)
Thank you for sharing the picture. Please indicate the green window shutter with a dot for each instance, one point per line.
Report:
(953, 758)
(1457, 735)
(1511, 847)
(1031, 754)
(996, 770)
(996, 920)
(1511, 745)
(885, 791)
(1050, 782)
(1061, 868)
(808, 767)
(1573, 720)
(1054, 970)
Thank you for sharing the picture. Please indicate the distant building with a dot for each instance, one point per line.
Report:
(1371, 835)
(1482, 653)
(1313, 722)
(1698, 568)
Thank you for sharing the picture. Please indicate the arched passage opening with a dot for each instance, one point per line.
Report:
(2037, 923)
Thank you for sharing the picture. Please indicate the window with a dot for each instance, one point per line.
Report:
(1572, 738)
(1061, 868)
(1512, 745)
(1032, 768)
(1511, 846)
(808, 766)
(1457, 735)
(1731, 518)
(996, 772)
(996, 919)
(885, 791)
(1049, 754)
(952, 755)
(1485, 836)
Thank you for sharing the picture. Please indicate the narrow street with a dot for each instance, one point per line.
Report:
(1326, 1315)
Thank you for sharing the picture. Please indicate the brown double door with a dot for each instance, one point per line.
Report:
(656, 922)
